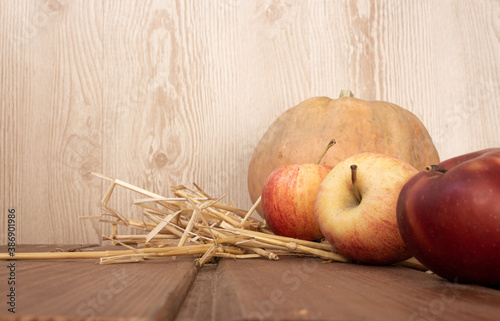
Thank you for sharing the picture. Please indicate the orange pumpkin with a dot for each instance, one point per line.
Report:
(300, 134)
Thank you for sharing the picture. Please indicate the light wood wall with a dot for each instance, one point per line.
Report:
(159, 93)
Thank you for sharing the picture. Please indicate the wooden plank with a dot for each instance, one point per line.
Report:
(82, 289)
(307, 289)
(199, 303)
(289, 289)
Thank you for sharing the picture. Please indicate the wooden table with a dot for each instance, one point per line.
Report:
(254, 289)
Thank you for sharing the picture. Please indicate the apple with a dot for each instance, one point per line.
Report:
(288, 197)
(449, 217)
(356, 208)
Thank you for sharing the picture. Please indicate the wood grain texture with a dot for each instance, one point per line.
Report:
(83, 290)
(291, 288)
(51, 109)
(159, 93)
(307, 289)
(199, 304)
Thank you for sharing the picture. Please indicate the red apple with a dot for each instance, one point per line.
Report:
(288, 199)
(449, 217)
(356, 207)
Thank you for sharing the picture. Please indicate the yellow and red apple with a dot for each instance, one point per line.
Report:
(288, 198)
(356, 207)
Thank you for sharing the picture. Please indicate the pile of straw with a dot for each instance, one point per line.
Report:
(193, 222)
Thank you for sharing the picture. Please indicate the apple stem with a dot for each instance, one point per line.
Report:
(354, 178)
(330, 144)
(436, 168)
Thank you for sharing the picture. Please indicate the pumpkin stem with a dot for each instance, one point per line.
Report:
(330, 144)
(436, 168)
(354, 178)
(346, 93)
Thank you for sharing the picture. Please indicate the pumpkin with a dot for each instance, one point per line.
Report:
(300, 134)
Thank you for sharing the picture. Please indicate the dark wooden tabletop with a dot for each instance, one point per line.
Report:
(291, 288)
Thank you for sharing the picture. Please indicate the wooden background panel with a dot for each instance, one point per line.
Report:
(51, 99)
(439, 59)
(138, 50)
(159, 93)
(163, 75)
